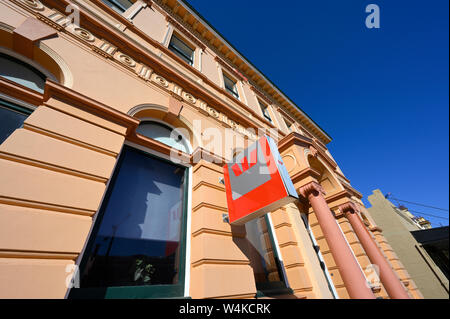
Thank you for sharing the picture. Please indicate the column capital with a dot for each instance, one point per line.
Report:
(311, 187)
(348, 207)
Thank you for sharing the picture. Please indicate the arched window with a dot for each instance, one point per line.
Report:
(137, 248)
(164, 134)
(22, 73)
(12, 111)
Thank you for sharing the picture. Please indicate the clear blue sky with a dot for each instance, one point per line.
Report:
(381, 94)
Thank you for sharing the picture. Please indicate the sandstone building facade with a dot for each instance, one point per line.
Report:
(116, 118)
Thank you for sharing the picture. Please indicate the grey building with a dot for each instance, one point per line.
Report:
(422, 250)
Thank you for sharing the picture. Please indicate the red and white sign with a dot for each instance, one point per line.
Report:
(257, 182)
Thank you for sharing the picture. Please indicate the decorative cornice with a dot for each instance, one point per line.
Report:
(323, 146)
(28, 34)
(311, 188)
(352, 191)
(303, 117)
(155, 145)
(137, 59)
(293, 138)
(124, 43)
(342, 176)
(337, 196)
(306, 172)
(132, 56)
(324, 155)
(202, 154)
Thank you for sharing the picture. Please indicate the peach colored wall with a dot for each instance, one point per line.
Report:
(100, 13)
(311, 262)
(125, 92)
(152, 22)
(295, 254)
(33, 277)
(327, 256)
(54, 172)
(251, 98)
(31, 229)
(219, 268)
(209, 67)
(10, 16)
(111, 93)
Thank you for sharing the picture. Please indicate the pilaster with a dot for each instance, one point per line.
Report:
(219, 265)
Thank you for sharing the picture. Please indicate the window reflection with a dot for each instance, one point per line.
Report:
(261, 252)
(230, 86)
(119, 5)
(182, 50)
(163, 134)
(21, 73)
(10, 120)
(137, 242)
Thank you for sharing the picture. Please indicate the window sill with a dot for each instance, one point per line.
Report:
(129, 292)
(273, 292)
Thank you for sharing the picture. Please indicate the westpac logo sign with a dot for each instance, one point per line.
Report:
(245, 164)
(257, 182)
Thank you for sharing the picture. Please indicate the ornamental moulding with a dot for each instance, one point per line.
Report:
(20, 92)
(61, 22)
(118, 39)
(295, 138)
(348, 208)
(304, 173)
(311, 188)
(87, 104)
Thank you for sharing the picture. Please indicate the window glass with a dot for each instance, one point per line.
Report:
(265, 111)
(118, 5)
(10, 120)
(138, 239)
(289, 124)
(182, 50)
(21, 73)
(163, 134)
(230, 86)
(304, 218)
(261, 252)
